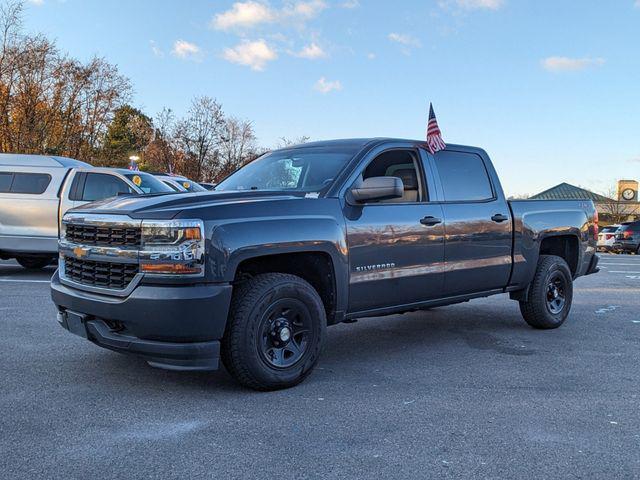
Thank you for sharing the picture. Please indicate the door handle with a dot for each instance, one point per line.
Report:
(430, 221)
(498, 218)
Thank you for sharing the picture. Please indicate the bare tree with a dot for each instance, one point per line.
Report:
(237, 146)
(50, 103)
(617, 210)
(284, 142)
(198, 136)
(162, 154)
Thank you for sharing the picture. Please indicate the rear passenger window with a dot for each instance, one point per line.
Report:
(34, 183)
(5, 181)
(31, 183)
(463, 176)
(99, 186)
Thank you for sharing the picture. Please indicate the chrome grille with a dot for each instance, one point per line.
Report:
(99, 274)
(103, 236)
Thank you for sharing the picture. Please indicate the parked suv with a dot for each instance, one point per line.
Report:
(628, 238)
(607, 237)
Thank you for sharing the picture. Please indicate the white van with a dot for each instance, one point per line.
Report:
(35, 191)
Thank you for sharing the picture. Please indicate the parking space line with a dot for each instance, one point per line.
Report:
(621, 271)
(621, 264)
(23, 280)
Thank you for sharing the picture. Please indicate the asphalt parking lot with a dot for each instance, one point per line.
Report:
(461, 391)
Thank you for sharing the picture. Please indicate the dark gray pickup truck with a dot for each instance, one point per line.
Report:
(306, 237)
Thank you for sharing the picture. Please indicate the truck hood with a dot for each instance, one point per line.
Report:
(167, 206)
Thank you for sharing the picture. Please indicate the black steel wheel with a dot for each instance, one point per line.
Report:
(275, 332)
(285, 333)
(550, 294)
(556, 293)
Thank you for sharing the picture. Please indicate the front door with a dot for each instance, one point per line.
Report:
(396, 247)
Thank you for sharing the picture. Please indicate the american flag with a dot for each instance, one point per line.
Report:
(434, 137)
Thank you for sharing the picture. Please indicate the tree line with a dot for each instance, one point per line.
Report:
(53, 104)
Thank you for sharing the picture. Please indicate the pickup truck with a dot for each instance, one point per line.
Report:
(310, 236)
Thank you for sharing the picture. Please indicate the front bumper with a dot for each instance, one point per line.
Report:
(176, 327)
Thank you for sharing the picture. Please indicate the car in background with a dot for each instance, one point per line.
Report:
(36, 191)
(178, 183)
(628, 238)
(208, 186)
(607, 237)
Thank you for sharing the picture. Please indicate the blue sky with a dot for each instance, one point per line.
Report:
(550, 88)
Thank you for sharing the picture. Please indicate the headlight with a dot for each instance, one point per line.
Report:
(172, 248)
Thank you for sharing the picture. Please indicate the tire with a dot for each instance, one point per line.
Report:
(550, 294)
(35, 262)
(255, 349)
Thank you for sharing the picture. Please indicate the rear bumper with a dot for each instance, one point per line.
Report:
(176, 327)
(593, 265)
(625, 246)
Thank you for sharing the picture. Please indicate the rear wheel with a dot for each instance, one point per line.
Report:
(550, 294)
(34, 262)
(275, 332)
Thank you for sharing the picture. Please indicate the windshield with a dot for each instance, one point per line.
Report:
(148, 183)
(304, 169)
(190, 186)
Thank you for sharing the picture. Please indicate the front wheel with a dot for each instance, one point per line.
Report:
(550, 294)
(35, 262)
(275, 332)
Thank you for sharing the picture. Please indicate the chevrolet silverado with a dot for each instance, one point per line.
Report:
(253, 272)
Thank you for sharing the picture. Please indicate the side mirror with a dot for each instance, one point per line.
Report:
(377, 188)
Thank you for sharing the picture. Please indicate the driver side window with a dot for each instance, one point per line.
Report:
(404, 165)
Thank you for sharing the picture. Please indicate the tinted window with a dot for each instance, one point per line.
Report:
(99, 186)
(5, 181)
(32, 183)
(463, 176)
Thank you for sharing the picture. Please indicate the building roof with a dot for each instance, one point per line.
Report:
(566, 191)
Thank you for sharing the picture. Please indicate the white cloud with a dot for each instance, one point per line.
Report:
(254, 54)
(244, 15)
(472, 4)
(304, 10)
(637, 4)
(36, 2)
(184, 49)
(404, 39)
(355, 4)
(249, 14)
(371, 56)
(325, 86)
(157, 51)
(567, 64)
(312, 52)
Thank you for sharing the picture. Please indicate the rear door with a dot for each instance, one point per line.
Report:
(478, 231)
(28, 205)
